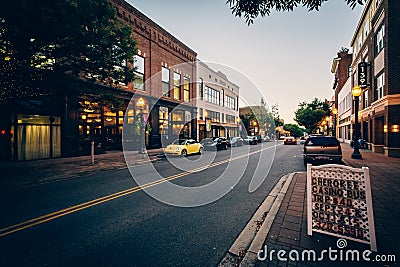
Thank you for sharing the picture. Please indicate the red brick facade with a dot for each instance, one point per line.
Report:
(160, 49)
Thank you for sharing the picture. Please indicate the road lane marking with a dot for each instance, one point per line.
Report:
(54, 215)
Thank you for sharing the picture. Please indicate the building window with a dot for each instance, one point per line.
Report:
(379, 39)
(230, 102)
(201, 88)
(222, 97)
(200, 114)
(138, 80)
(230, 119)
(212, 95)
(365, 96)
(165, 82)
(366, 30)
(348, 71)
(213, 116)
(379, 86)
(177, 86)
(186, 89)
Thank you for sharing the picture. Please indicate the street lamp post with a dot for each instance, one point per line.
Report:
(205, 124)
(140, 104)
(356, 92)
(238, 126)
(334, 112)
(327, 125)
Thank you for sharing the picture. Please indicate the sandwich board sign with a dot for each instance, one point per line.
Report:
(339, 203)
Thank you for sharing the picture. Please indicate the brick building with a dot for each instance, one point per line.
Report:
(375, 42)
(65, 123)
(168, 71)
(341, 68)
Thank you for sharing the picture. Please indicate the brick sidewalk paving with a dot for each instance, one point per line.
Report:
(289, 230)
(16, 174)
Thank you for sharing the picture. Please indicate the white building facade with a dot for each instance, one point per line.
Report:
(217, 104)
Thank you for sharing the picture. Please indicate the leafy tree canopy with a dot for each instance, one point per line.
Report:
(294, 129)
(310, 115)
(67, 37)
(251, 9)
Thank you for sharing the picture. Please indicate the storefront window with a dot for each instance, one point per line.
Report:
(38, 137)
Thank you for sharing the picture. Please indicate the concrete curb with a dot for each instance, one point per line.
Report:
(244, 250)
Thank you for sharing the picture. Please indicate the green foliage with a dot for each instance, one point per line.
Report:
(63, 37)
(294, 130)
(251, 9)
(246, 119)
(310, 115)
(275, 115)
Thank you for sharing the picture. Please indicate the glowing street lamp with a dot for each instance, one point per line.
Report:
(141, 104)
(334, 112)
(356, 92)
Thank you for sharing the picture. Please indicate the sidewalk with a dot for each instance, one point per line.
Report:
(17, 174)
(289, 229)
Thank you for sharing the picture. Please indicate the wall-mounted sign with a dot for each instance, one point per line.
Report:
(339, 203)
(362, 74)
(208, 125)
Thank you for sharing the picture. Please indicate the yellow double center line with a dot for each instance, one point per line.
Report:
(54, 215)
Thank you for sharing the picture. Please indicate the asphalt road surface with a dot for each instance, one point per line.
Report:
(106, 219)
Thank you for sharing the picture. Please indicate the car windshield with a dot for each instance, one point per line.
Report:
(322, 141)
(179, 142)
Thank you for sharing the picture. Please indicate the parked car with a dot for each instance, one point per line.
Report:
(259, 138)
(250, 140)
(266, 138)
(235, 141)
(289, 140)
(184, 147)
(322, 149)
(216, 143)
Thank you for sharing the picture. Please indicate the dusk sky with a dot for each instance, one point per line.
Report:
(288, 56)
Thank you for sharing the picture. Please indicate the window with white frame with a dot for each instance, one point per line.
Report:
(201, 88)
(177, 86)
(212, 95)
(165, 82)
(365, 98)
(379, 86)
(138, 79)
(230, 102)
(366, 29)
(379, 44)
(186, 89)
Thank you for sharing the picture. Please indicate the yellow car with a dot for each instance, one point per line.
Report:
(184, 147)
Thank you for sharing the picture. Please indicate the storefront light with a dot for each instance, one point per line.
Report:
(395, 128)
(385, 128)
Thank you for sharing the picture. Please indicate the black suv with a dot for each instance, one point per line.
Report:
(322, 149)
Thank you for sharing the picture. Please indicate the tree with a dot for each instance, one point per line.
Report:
(251, 9)
(63, 38)
(310, 115)
(275, 115)
(294, 130)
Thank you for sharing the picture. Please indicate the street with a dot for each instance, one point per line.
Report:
(131, 228)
